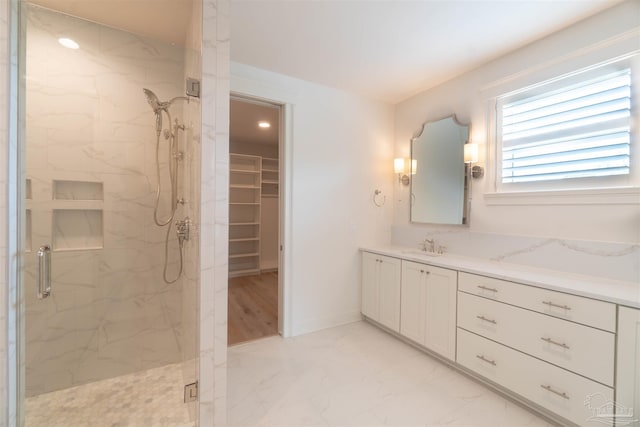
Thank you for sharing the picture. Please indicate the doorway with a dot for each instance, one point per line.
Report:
(254, 219)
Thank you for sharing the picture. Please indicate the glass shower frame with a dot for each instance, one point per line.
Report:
(68, 190)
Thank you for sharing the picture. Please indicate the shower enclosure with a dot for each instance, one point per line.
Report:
(111, 191)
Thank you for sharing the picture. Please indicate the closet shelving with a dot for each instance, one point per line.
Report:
(250, 179)
(245, 188)
(270, 178)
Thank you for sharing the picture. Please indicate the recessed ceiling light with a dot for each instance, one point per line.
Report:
(68, 43)
(264, 124)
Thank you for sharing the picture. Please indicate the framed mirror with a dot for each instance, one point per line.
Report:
(439, 192)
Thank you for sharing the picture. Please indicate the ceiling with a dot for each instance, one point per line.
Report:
(164, 20)
(244, 118)
(382, 49)
(393, 49)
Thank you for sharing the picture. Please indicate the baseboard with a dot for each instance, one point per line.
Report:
(316, 324)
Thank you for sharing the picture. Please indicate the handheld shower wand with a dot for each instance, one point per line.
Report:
(156, 105)
(160, 108)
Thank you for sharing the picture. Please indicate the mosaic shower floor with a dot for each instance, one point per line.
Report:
(152, 398)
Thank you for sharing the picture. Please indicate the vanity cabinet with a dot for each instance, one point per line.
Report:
(381, 289)
(428, 307)
(507, 335)
(555, 389)
(628, 363)
(569, 355)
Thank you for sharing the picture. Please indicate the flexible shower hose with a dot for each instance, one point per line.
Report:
(173, 177)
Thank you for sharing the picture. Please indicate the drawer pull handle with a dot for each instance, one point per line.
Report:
(561, 394)
(487, 320)
(559, 344)
(550, 304)
(484, 359)
(485, 288)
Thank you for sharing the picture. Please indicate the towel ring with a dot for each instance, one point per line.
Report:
(375, 198)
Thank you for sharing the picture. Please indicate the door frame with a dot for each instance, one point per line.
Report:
(284, 204)
(260, 94)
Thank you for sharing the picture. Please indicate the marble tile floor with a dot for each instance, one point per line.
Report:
(152, 398)
(356, 375)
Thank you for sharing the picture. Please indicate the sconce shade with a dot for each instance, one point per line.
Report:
(398, 165)
(470, 153)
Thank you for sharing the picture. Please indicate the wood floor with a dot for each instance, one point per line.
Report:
(253, 307)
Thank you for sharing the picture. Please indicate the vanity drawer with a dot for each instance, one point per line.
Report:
(580, 349)
(533, 379)
(587, 311)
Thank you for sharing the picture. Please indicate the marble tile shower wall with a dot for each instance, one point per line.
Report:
(617, 261)
(88, 122)
(4, 148)
(214, 205)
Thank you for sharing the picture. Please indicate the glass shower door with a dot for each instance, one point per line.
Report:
(113, 341)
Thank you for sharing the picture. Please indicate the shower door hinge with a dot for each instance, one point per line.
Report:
(191, 392)
(193, 87)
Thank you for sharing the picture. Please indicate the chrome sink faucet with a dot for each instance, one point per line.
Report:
(432, 245)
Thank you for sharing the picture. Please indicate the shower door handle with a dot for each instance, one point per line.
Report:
(44, 271)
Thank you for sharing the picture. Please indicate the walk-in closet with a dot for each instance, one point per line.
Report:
(254, 190)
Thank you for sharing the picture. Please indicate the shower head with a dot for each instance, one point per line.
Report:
(152, 99)
(157, 106)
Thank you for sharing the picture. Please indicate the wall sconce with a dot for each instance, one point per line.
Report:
(400, 167)
(471, 156)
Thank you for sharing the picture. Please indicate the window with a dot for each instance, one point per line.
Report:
(562, 132)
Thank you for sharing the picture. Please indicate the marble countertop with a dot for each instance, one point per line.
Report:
(615, 291)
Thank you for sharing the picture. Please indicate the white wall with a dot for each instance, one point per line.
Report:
(252, 149)
(269, 233)
(340, 152)
(467, 96)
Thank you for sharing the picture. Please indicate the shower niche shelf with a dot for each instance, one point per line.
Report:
(77, 190)
(27, 237)
(77, 229)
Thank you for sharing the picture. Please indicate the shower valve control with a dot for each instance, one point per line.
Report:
(182, 228)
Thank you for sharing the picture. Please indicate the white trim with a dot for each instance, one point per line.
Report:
(621, 45)
(609, 196)
(313, 324)
(285, 264)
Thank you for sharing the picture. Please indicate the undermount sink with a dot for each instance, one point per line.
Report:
(421, 253)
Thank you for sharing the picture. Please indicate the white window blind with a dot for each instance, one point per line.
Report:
(578, 131)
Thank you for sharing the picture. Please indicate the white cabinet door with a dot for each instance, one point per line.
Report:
(370, 263)
(389, 285)
(440, 334)
(628, 378)
(428, 309)
(413, 301)
(381, 289)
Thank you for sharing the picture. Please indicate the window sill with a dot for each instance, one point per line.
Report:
(600, 196)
